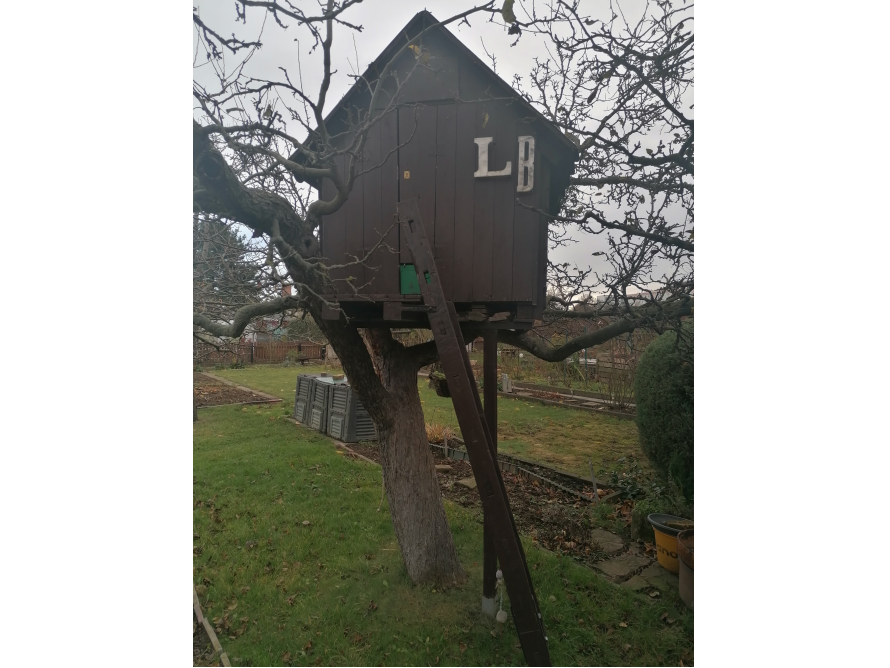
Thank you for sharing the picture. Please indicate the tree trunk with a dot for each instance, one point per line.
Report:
(388, 389)
(412, 487)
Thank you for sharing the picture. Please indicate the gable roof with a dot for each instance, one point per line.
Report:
(419, 21)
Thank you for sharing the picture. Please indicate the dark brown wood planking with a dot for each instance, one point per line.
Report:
(443, 240)
(354, 237)
(417, 165)
(465, 184)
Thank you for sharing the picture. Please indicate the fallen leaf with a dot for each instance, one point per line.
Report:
(655, 594)
(622, 625)
(463, 648)
(307, 646)
(306, 523)
(626, 647)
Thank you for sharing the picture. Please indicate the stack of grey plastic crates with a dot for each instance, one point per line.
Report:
(332, 407)
(348, 420)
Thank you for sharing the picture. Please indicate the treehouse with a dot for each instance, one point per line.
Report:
(478, 160)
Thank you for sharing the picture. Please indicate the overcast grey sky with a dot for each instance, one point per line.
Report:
(352, 52)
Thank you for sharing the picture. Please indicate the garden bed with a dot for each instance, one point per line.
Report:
(210, 391)
(203, 653)
(566, 401)
(554, 518)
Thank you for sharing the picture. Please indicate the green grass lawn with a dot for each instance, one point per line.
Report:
(334, 591)
(561, 437)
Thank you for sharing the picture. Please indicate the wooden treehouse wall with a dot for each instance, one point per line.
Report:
(488, 248)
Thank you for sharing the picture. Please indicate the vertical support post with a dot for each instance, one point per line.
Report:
(586, 361)
(490, 382)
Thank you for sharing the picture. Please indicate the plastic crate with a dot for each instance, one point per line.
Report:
(348, 420)
(302, 399)
(319, 401)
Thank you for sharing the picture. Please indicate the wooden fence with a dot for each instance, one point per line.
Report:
(272, 352)
(607, 365)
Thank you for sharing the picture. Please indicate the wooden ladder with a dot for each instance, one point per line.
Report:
(470, 417)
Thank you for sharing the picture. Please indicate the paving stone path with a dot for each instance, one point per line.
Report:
(628, 565)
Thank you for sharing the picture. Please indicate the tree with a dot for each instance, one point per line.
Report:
(227, 270)
(620, 85)
(303, 328)
(251, 166)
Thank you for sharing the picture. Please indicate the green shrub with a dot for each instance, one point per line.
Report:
(664, 394)
(669, 504)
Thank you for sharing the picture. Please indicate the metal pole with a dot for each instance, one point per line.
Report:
(586, 361)
(490, 382)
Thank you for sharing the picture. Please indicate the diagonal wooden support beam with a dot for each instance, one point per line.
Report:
(480, 447)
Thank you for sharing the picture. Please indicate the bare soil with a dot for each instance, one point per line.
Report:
(202, 649)
(211, 392)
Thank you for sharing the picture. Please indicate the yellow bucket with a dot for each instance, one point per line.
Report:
(666, 528)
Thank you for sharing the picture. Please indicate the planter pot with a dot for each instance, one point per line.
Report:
(666, 528)
(686, 556)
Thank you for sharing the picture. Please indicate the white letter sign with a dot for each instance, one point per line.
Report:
(482, 143)
(526, 164)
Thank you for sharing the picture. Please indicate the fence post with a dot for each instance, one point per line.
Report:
(252, 344)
